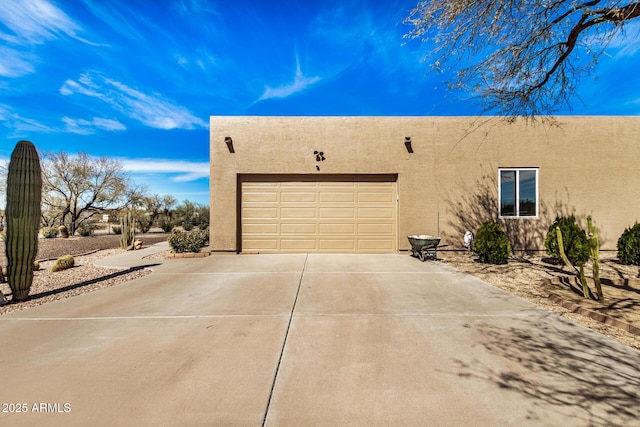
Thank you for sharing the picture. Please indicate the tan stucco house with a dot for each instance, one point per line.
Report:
(363, 184)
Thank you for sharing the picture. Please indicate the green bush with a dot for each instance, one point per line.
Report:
(116, 229)
(629, 245)
(187, 226)
(166, 226)
(194, 241)
(49, 232)
(86, 229)
(491, 243)
(574, 238)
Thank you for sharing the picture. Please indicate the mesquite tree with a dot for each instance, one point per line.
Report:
(81, 186)
(24, 192)
(520, 57)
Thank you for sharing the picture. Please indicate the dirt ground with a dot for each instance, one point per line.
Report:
(76, 245)
(537, 279)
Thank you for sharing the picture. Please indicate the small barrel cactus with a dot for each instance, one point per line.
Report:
(63, 263)
(24, 192)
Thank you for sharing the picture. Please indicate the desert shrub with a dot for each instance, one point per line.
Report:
(187, 226)
(49, 232)
(491, 243)
(166, 226)
(629, 245)
(144, 227)
(63, 263)
(86, 229)
(116, 229)
(193, 241)
(576, 244)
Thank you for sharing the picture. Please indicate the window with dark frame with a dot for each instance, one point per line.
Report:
(518, 192)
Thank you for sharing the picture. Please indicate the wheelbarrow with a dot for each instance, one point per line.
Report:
(424, 246)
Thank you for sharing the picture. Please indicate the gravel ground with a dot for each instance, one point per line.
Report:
(525, 277)
(83, 277)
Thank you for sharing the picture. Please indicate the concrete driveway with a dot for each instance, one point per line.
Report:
(309, 340)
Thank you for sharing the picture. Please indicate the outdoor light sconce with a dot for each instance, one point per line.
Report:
(229, 142)
(407, 144)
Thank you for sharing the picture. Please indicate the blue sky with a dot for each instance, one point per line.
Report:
(138, 79)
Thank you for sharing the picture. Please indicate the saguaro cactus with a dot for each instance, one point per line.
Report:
(128, 231)
(583, 280)
(24, 193)
(594, 246)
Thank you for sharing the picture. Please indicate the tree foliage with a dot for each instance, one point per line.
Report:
(189, 214)
(81, 186)
(154, 209)
(520, 57)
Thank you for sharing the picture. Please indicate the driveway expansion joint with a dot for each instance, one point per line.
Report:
(284, 343)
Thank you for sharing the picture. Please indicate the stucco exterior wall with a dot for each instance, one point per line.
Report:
(449, 183)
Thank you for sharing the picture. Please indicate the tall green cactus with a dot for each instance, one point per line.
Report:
(594, 246)
(24, 193)
(585, 287)
(128, 231)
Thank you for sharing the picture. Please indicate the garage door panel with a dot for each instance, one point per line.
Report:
(337, 228)
(336, 212)
(386, 213)
(260, 245)
(324, 213)
(298, 244)
(259, 213)
(308, 228)
(337, 197)
(371, 197)
(347, 185)
(376, 228)
(298, 197)
(378, 245)
(270, 228)
(260, 197)
(297, 212)
(337, 244)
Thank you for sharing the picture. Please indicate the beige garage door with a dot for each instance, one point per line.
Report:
(339, 214)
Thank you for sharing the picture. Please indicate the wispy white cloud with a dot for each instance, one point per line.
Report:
(626, 42)
(21, 126)
(300, 83)
(357, 34)
(121, 19)
(88, 127)
(181, 170)
(151, 109)
(14, 63)
(202, 59)
(34, 21)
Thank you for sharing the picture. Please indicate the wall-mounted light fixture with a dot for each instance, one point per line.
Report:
(407, 144)
(229, 142)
